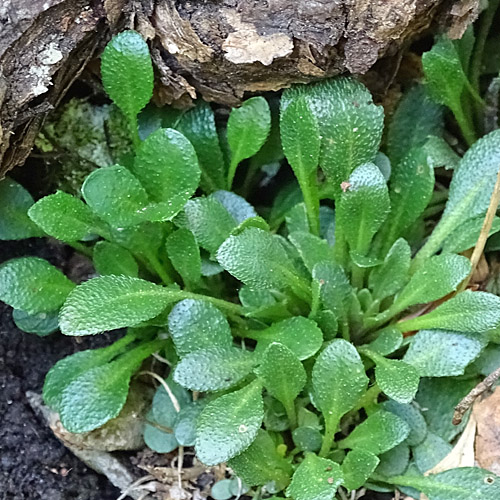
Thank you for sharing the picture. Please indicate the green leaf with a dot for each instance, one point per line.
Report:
(464, 483)
(42, 324)
(467, 312)
(98, 395)
(440, 153)
(198, 125)
(283, 375)
(111, 302)
(388, 340)
(195, 324)
(437, 277)
(296, 219)
(438, 397)
(307, 438)
(439, 353)
(237, 206)
(229, 424)
(350, 124)
(143, 238)
(127, 72)
(357, 467)
(14, 221)
(466, 235)
(413, 417)
(185, 424)
(315, 479)
(183, 252)
(213, 368)
(311, 248)
(378, 433)
(430, 452)
(110, 258)
(397, 379)
(257, 259)
(62, 216)
(470, 190)
(157, 438)
(247, 130)
(69, 368)
(301, 335)
(411, 186)
(33, 285)
(393, 274)
(416, 118)
(335, 287)
(338, 380)
(167, 166)
(115, 195)
(301, 144)
(363, 207)
(209, 221)
(444, 74)
(261, 463)
(395, 461)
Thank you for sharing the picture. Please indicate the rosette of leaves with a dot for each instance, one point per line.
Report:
(316, 380)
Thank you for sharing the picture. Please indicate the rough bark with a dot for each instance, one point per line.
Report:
(216, 49)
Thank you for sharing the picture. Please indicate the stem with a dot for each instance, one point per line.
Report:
(291, 413)
(357, 276)
(229, 307)
(309, 190)
(465, 126)
(483, 235)
(134, 131)
(158, 268)
(340, 247)
(344, 327)
(231, 172)
(331, 424)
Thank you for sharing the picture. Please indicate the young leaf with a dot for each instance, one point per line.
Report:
(14, 221)
(311, 248)
(338, 381)
(214, 368)
(416, 118)
(437, 277)
(42, 324)
(438, 353)
(127, 72)
(62, 216)
(413, 417)
(115, 195)
(464, 483)
(363, 207)
(467, 312)
(167, 166)
(209, 221)
(411, 186)
(300, 335)
(195, 324)
(315, 479)
(283, 375)
(98, 395)
(111, 302)
(357, 467)
(33, 285)
(229, 424)
(397, 379)
(261, 463)
(110, 258)
(183, 252)
(198, 125)
(393, 274)
(257, 259)
(247, 130)
(301, 144)
(470, 190)
(377, 434)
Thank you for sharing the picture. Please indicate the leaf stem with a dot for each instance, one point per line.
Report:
(229, 307)
(309, 188)
(331, 424)
(483, 235)
(291, 413)
(465, 125)
(158, 268)
(233, 165)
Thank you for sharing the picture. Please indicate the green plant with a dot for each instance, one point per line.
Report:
(315, 382)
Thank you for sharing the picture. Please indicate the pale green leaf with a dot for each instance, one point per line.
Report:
(357, 467)
(413, 417)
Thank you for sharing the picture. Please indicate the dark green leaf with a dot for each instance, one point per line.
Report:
(110, 258)
(127, 72)
(413, 417)
(311, 248)
(357, 467)
(388, 340)
(395, 461)
(307, 438)
(430, 452)
(40, 323)
(33, 285)
(229, 424)
(185, 425)
(184, 254)
(466, 235)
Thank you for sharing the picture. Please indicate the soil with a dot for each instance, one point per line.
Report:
(34, 465)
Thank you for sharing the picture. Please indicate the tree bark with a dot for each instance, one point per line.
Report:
(216, 49)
